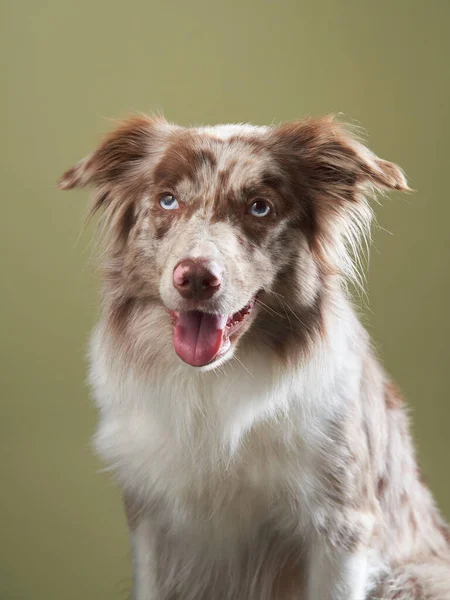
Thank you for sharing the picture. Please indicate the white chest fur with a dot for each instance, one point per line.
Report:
(184, 443)
(228, 464)
(213, 449)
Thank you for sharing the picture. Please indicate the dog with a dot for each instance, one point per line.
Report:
(262, 450)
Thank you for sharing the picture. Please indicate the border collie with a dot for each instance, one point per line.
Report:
(262, 450)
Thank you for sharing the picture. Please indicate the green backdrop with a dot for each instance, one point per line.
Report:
(69, 67)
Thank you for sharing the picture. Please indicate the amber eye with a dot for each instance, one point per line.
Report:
(260, 208)
(169, 202)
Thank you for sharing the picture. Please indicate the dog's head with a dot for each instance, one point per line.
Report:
(230, 225)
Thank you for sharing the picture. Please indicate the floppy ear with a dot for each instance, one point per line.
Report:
(119, 171)
(332, 173)
(328, 154)
(118, 155)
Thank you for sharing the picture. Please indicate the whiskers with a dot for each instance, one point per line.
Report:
(287, 309)
(268, 309)
(242, 365)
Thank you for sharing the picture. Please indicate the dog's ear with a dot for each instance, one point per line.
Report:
(331, 159)
(117, 157)
(332, 174)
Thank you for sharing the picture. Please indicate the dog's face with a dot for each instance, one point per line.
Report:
(228, 227)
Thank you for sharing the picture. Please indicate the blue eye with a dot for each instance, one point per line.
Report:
(169, 202)
(260, 208)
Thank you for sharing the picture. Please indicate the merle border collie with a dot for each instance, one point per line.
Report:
(262, 450)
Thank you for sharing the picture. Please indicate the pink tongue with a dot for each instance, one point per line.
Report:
(197, 336)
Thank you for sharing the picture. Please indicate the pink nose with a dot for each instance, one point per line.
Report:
(197, 278)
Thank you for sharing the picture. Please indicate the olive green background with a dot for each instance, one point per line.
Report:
(71, 66)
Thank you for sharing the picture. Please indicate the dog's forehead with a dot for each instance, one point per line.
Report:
(228, 155)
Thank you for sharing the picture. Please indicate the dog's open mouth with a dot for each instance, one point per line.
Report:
(199, 338)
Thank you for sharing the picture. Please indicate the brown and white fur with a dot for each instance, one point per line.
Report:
(283, 469)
